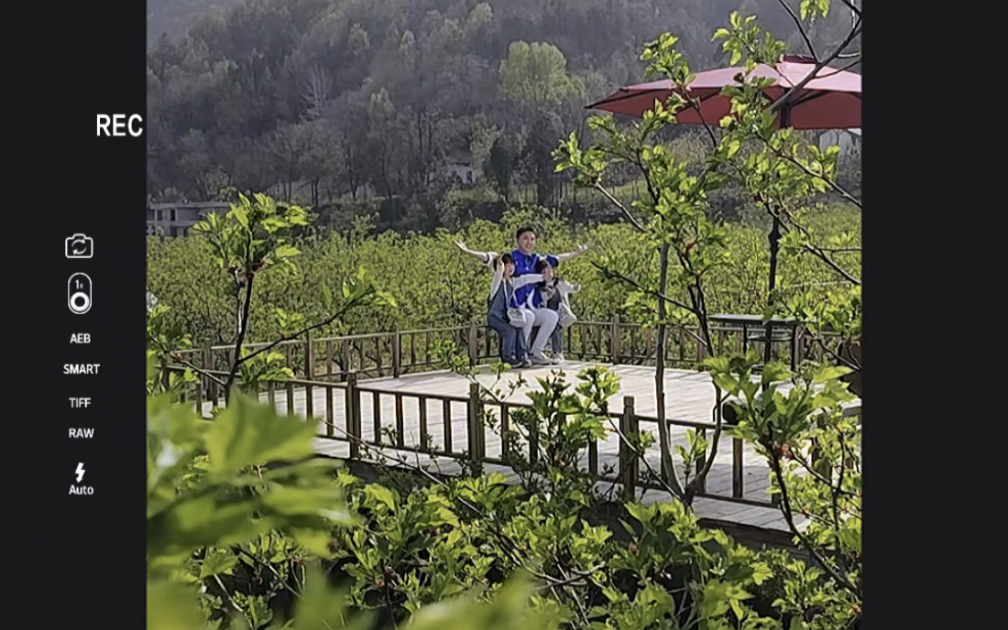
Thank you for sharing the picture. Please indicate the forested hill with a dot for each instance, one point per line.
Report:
(174, 17)
(359, 96)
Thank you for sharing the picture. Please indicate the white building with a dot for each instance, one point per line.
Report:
(849, 141)
(175, 219)
(459, 164)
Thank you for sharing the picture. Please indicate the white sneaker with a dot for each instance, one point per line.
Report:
(558, 358)
(539, 359)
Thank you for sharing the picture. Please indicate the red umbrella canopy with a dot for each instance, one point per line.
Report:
(831, 100)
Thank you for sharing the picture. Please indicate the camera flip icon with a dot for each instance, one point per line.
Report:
(79, 246)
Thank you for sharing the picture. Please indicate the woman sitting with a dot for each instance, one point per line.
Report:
(556, 296)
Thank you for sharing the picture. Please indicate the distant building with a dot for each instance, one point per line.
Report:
(175, 219)
(849, 141)
(459, 165)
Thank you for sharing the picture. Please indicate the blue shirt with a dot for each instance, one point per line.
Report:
(524, 264)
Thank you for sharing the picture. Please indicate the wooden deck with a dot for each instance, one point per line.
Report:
(689, 397)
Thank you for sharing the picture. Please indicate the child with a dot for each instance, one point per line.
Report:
(501, 299)
(555, 292)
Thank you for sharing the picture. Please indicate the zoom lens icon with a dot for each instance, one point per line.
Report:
(79, 293)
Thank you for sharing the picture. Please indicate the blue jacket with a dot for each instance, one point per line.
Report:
(524, 265)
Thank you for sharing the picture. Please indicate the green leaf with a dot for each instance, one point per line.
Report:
(641, 512)
(775, 373)
(380, 494)
(247, 433)
(829, 373)
(727, 382)
(322, 608)
(172, 607)
(286, 251)
(217, 562)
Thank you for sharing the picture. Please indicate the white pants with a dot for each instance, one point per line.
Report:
(546, 319)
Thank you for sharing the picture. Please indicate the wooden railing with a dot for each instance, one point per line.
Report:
(410, 351)
(335, 366)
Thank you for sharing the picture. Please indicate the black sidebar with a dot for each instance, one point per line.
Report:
(95, 234)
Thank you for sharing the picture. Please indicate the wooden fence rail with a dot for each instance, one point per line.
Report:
(335, 366)
(403, 352)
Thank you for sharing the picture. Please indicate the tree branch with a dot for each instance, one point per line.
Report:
(826, 259)
(199, 371)
(850, 5)
(836, 187)
(693, 487)
(639, 287)
(840, 250)
(822, 344)
(786, 219)
(801, 28)
(242, 331)
(340, 312)
(789, 95)
(679, 494)
(574, 577)
(616, 202)
(789, 518)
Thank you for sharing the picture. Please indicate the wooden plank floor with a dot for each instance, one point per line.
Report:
(689, 396)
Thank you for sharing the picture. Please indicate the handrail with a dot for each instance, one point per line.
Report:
(334, 365)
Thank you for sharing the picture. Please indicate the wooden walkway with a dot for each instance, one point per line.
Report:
(444, 395)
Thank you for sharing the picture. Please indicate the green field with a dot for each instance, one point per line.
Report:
(435, 285)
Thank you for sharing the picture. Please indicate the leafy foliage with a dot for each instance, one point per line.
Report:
(182, 273)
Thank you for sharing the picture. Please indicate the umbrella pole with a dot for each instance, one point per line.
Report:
(774, 238)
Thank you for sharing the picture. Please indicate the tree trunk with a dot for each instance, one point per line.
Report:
(242, 331)
(664, 439)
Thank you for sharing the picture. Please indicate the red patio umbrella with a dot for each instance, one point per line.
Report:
(830, 100)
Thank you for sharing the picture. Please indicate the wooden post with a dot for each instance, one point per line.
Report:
(330, 416)
(199, 394)
(799, 343)
(309, 369)
(345, 359)
(328, 359)
(474, 417)
(737, 471)
(794, 348)
(214, 394)
(350, 411)
(616, 340)
(702, 434)
(206, 362)
(396, 354)
(473, 347)
(629, 465)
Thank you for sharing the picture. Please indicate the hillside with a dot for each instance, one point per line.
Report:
(402, 100)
